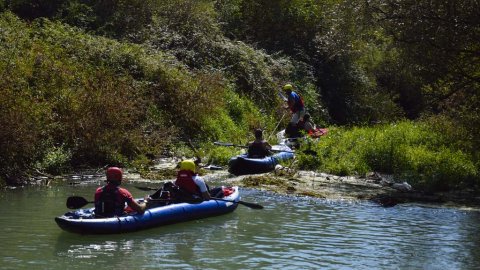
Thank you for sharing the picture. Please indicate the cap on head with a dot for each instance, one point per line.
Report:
(114, 174)
(187, 165)
(288, 87)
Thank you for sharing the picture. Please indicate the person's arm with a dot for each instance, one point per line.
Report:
(203, 187)
(291, 102)
(138, 207)
(267, 145)
(206, 196)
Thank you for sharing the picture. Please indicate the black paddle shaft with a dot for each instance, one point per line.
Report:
(244, 146)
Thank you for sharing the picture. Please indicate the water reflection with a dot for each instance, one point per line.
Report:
(174, 246)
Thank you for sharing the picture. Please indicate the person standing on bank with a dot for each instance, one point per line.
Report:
(295, 103)
(110, 200)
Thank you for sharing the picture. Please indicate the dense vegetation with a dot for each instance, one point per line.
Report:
(93, 82)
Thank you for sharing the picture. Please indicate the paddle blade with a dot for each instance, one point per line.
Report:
(75, 202)
(251, 205)
(146, 188)
(247, 204)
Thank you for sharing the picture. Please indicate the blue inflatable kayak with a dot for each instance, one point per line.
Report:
(84, 221)
(242, 164)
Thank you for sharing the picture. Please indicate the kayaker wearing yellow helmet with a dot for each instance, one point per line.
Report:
(295, 103)
(190, 182)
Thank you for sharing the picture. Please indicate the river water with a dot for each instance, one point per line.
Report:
(289, 233)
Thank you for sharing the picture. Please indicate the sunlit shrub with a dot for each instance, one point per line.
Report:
(412, 152)
(106, 101)
(436, 170)
(220, 155)
(56, 160)
(81, 95)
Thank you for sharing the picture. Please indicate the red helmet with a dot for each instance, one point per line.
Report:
(114, 174)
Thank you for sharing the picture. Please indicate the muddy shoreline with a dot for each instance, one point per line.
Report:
(375, 187)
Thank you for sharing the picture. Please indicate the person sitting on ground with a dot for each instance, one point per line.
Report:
(110, 199)
(259, 148)
(188, 181)
(295, 104)
(307, 124)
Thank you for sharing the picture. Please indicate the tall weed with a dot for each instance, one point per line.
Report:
(412, 151)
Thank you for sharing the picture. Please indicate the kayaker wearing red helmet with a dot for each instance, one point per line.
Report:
(110, 200)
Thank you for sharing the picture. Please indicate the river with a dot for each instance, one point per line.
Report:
(289, 233)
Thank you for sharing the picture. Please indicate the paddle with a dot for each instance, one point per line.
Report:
(273, 131)
(244, 146)
(75, 202)
(147, 188)
(282, 96)
(248, 204)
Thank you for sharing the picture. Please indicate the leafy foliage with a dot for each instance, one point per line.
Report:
(115, 81)
(414, 152)
(101, 101)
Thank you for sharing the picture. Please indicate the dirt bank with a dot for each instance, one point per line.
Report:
(375, 187)
(381, 189)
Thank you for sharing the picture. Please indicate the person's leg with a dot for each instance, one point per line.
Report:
(301, 114)
(295, 117)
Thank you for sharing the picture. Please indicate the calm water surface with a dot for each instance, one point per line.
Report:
(290, 233)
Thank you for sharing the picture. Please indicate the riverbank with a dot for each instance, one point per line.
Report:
(374, 187)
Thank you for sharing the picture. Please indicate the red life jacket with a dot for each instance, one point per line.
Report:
(185, 182)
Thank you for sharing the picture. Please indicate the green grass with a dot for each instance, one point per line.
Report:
(412, 151)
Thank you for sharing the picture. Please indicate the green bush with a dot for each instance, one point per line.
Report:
(219, 155)
(104, 101)
(436, 170)
(413, 152)
(55, 161)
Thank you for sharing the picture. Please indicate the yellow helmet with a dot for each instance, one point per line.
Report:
(288, 87)
(187, 165)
